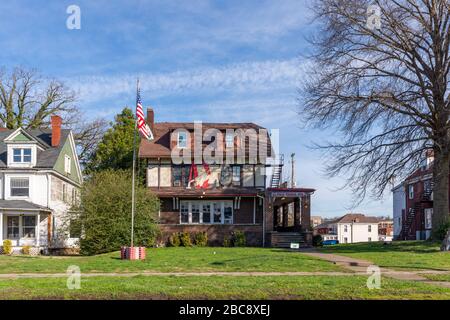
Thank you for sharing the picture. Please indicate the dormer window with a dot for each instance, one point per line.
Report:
(182, 140)
(22, 155)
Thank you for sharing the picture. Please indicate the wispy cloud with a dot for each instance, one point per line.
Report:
(254, 76)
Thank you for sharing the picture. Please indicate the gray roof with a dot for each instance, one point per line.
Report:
(21, 204)
(47, 158)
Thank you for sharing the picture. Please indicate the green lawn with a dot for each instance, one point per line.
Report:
(219, 287)
(397, 255)
(174, 260)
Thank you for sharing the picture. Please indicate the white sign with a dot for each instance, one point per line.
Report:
(295, 245)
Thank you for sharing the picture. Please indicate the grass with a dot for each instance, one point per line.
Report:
(174, 260)
(416, 255)
(219, 287)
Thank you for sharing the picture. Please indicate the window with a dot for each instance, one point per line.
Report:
(369, 228)
(184, 212)
(199, 211)
(428, 218)
(206, 210)
(22, 155)
(217, 211)
(411, 191)
(64, 192)
(20, 187)
(195, 212)
(369, 239)
(345, 240)
(227, 214)
(13, 227)
(75, 229)
(180, 176)
(236, 176)
(67, 164)
(182, 139)
(345, 228)
(29, 226)
(229, 140)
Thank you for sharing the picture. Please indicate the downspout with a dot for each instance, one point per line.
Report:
(264, 220)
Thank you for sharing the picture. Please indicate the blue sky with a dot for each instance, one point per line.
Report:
(231, 61)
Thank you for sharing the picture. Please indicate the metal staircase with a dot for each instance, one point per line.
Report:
(277, 172)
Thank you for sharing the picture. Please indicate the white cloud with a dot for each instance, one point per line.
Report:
(242, 77)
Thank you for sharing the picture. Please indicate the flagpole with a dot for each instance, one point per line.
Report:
(133, 174)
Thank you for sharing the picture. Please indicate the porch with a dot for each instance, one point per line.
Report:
(288, 218)
(24, 224)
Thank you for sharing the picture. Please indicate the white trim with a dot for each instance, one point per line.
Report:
(178, 139)
(77, 161)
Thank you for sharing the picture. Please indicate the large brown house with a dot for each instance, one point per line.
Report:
(223, 187)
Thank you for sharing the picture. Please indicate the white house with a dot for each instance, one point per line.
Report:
(399, 205)
(40, 177)
(351, 228)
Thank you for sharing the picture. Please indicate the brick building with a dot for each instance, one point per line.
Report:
(225, 195)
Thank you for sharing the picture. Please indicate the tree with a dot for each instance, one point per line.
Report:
(115, 150)
(105, 213)
(27, 100)
(385, 86)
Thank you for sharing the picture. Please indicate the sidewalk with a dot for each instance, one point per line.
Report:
(359, 266)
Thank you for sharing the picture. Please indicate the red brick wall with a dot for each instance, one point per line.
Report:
(243, 219)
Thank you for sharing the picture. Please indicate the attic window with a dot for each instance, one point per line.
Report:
(22, 155)
(67, 164)
(229, 140)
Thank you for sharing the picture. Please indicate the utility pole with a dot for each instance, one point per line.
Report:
(293, 170)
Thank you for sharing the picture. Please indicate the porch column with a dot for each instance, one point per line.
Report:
(1, 228)
(38, 229)
(297, 214)
(285, 215)
(306, 212)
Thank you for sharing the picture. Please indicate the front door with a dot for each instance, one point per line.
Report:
(12, 228)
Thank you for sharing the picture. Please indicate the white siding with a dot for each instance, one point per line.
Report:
(357, 232)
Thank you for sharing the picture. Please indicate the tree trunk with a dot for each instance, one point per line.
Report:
(440, 189)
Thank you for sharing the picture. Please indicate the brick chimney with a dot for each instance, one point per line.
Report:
(56, 122)
(151, 118)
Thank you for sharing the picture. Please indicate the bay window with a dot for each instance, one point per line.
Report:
(199, 211)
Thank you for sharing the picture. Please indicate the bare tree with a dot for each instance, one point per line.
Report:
(381, 76)
(28, 100)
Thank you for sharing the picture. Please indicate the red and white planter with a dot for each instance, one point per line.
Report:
(132, 253)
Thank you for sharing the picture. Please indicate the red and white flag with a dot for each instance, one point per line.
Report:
(143, 128)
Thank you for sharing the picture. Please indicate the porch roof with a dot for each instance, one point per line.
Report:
(21, 205)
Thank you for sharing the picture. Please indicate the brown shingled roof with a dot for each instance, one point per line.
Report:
(160, 146)
(357, 218)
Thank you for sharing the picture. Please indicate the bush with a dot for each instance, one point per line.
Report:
(105, 213)
(174, 240)
(239, 239)
(7, 247)
(317, 240)
(442, 231)
(201, 239)
(226, 242)
(185, 239)
(26, 250)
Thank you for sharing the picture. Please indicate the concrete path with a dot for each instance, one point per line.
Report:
(360, 266)
(177, 274)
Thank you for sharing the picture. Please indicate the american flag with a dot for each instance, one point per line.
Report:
(144, 129)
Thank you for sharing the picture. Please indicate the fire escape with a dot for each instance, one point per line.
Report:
(277, 172)
(411, 216)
